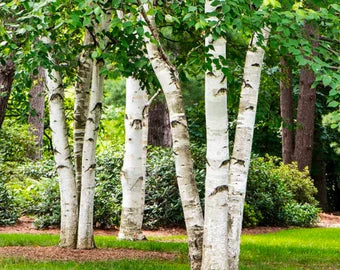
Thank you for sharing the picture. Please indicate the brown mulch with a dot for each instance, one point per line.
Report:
(259, 230)
(25, 225)
(63, 254)
(329, 220)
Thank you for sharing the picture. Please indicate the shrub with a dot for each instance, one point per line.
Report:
(299, 183)
(279, 195)
(162, 202)
(274, 194)
(48, 208)
(16, 141)
(108, 193)
(298, 214)
(9, 213)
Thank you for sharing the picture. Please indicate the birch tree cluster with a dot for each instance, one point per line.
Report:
(156, 45)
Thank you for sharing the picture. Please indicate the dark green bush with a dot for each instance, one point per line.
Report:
(108, 193)
(297, 214)
(9, 213)
(279, 195)
(16, 141)
(48, 209)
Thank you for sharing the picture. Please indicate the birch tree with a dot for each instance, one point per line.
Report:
(168, 77)
(217, 165)
(240, 159)
(85, 227)
(62, 155)
(81, 104)
(134, 167)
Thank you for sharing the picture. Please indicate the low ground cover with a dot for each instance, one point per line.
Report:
(314, 248)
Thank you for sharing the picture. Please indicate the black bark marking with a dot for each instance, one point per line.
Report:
(61, 167)
(224, 77)
(221, 91)
(173, 123)
(246, 84)
(218, 190)
(137, 123)
(224, 163)
(92, 166)
(206, 160)
(255, 65)
(55, 96)
(90, 139)
(99, 106)
(250, 108)
(90, 119)
(240, 161)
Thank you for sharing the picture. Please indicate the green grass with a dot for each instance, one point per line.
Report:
(289, 249)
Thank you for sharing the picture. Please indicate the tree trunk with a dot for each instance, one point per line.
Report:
(134, 170)
(62, 155)
(168, 78)
(303, 151)
(216, 183)
(286, 106)
(81, 104)
(159, 127)
(85, 227)
(6, 79)
(319, 176)
(318, 172)
(36, 114)
(240, 160)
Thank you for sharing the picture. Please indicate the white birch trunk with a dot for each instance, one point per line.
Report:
(242, 146)
(134, 166)
(168, 78)
(62, 155)
(217, 166)
(85, 227)
(81, 104)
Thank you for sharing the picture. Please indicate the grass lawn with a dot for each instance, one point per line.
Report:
(289, 249)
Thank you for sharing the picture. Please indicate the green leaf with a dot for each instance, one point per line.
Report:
(326, 80)
(333, 104)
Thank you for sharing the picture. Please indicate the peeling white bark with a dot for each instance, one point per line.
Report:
(85, 227)
(240, 159)
(216, 182)
(168, 78)
(62, 155)
(81, 104)
(134, 167)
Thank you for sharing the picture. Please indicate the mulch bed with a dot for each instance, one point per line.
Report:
(63, 254)
(25, 225)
